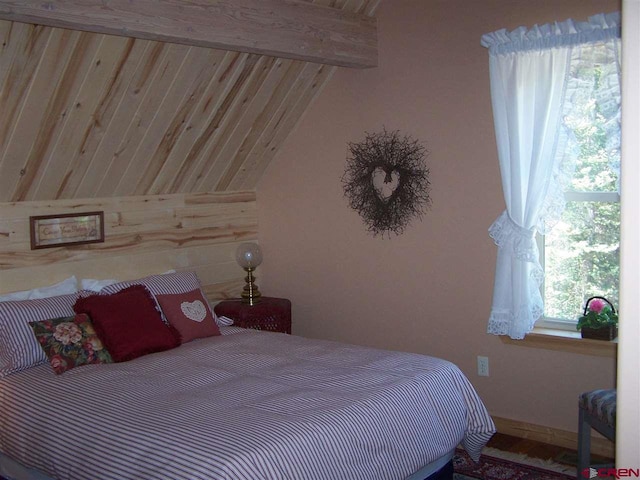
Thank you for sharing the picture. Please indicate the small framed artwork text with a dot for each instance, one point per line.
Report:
(49, 231)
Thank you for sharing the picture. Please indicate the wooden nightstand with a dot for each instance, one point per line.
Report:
(271, 314)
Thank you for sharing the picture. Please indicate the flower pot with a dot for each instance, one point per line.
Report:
(603, 333)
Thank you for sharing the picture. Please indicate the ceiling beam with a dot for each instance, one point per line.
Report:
(282, 28)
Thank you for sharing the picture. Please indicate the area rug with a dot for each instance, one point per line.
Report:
(515, 467)
(498, 465)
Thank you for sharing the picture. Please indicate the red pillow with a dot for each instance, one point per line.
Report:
(128, 323)
(189, 313)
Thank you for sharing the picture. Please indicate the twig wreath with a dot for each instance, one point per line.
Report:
(387, 182)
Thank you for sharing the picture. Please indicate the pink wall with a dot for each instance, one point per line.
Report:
(428, 290)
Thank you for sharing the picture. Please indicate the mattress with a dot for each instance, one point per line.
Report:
(245, 405)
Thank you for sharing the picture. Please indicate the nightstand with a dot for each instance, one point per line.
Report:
(271, 314)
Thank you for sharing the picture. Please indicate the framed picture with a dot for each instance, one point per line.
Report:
(49, 231)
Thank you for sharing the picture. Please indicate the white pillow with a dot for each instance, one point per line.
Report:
(65, 287)
(94, 285)
(20, 348)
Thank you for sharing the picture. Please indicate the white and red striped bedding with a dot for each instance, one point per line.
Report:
(245, 405)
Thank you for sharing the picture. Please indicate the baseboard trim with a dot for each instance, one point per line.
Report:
(552, 436)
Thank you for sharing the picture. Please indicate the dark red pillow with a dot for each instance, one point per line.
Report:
(128, 323)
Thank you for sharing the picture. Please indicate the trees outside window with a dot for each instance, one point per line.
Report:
(581, 253)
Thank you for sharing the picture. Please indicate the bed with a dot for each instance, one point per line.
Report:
(244, 404)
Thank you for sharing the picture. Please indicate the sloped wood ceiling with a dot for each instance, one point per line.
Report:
(89, 115)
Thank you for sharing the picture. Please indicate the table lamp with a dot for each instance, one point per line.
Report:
(249, 256)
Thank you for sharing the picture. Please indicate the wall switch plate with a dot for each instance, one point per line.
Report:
(483, 366)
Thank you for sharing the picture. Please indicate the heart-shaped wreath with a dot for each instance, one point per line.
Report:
(386, 181)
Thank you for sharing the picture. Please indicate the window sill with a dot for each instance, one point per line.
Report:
(565, 341)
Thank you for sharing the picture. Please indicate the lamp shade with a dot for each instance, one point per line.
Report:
(249, 255)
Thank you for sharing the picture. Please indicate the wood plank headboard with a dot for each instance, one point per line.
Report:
(143, 235)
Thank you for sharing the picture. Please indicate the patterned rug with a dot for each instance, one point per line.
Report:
(491, 467)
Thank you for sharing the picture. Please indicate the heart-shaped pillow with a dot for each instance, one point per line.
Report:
(195, 310)
(189, 313)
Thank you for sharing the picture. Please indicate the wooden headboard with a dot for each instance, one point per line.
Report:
(143, 235)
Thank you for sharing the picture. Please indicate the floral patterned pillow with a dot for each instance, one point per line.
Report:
(70, 342)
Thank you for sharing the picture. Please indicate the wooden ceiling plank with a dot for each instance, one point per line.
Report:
(198, 157)
(329, 3)
(278, 96)
(152, 116)
(90, 81)
(216, 161)
(244, 196)
(245, 121)
(265, 148)
(160, 76)
(229, 123)
(202, 65)
(93, 132)
(12, 38)
(13, 97)
(35, 112)
(57, 114)
(55, 108)
(281, 125)
(283, 28)
(189, 133)
(69, 153)
(164, 101)
(225, 76)
(122, 103)
(370, 7)
(291, 110)
(16, 73)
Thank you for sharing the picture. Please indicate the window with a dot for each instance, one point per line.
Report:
(554, 89)
(580, 254)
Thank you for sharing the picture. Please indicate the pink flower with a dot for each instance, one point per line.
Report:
(67, 332)
(596, 305)
(58, 362)
(88, 347)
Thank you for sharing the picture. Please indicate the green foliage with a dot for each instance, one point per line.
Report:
(594, 319)
(582, 252)
(582, 258)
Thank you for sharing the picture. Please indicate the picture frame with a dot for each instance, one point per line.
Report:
(49, 231)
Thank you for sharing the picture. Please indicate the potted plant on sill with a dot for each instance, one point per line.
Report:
(599, 321)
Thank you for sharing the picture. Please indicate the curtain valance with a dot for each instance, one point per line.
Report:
(600, 27)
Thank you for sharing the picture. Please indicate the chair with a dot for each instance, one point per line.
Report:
(597, 410)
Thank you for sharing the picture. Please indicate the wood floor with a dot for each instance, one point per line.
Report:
(534, 449)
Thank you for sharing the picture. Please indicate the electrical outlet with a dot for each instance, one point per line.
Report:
(483, 366)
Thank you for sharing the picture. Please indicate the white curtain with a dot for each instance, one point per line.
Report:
(530, 88)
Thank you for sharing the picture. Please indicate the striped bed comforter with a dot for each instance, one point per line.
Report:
(246, 405)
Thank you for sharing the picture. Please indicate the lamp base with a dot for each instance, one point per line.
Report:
(250, 293)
